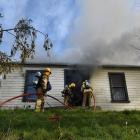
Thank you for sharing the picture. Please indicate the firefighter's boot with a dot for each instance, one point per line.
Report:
(38, 105)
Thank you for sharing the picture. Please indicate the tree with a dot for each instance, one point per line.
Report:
(24, 44)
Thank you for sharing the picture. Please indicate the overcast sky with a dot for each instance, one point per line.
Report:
(77, 26)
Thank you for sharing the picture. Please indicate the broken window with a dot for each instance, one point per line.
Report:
(29, 86)
(76, 76)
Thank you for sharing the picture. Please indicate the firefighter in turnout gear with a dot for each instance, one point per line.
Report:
(41, 89)
(66, 94)
(72, 99)
(87, 91)
(37, 77)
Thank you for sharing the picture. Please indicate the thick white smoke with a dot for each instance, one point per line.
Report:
(105, 32)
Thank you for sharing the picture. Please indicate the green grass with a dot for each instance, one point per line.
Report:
(75, 124)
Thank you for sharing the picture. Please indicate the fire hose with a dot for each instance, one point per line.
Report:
(29, 94)
(94, 103)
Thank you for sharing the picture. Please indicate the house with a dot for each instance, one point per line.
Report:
(116, 87)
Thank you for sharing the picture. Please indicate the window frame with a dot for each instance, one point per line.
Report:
(124, 87)
(25, 84)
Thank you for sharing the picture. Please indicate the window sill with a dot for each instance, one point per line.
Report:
(120, 101)
(29, 101)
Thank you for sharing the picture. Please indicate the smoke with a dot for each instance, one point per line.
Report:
(105, 33)
(123, 50)
(82, 31)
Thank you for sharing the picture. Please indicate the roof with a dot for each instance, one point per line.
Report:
(121, 66)
(79, 65)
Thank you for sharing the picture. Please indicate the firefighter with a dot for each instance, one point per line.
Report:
(66, 94)
(41, 88)
(37, 76)
(87, 91)
(72, 96)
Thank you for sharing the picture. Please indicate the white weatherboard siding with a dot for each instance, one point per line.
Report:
(100, 82)
(14, 83)
(12, 86)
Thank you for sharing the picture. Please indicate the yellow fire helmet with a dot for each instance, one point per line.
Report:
(47, 70)
(72, 85)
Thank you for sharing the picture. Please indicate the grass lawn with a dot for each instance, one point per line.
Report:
(75, 124)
